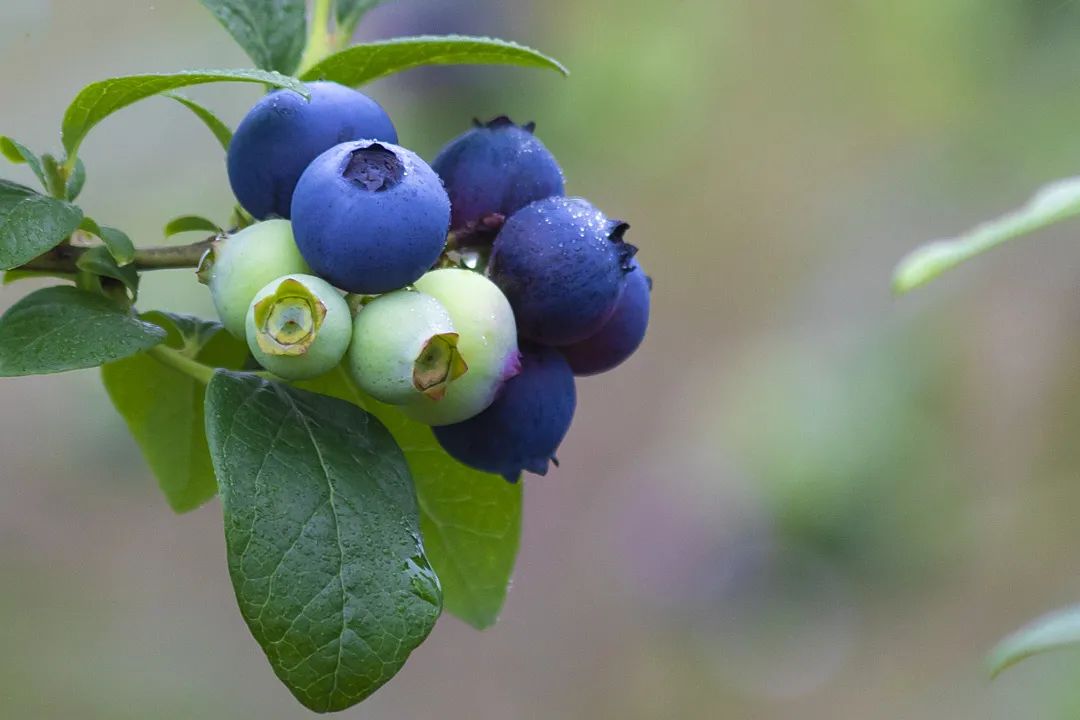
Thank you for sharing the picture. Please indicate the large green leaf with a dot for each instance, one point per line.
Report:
(216, 125)
(31, 224)
(97, 101)
(271, 32)
(363, 63)
(1058, 630)
(163, 407)
(470, 520)
(63, 328)
(323, 537)
(1051, 204)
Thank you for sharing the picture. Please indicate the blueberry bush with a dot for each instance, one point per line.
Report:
(394, 341)
(1053, 203)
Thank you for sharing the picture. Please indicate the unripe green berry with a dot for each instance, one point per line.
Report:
(298, 327)
(239, 265)
(404, 347)
(487, 342)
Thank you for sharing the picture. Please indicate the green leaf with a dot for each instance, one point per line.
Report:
(322, 534)
(31, 224)
(271, 32)
(99, 100)
(163, 407)
(470, 520)
(363, 63)
(119, 244)
(11, 276)
(76, 181)
(1051, 204)
(1058, 630)
(101, 262)
(191, 223)
(348, 13)
(20, 154)
(63, 328)
(220, 130)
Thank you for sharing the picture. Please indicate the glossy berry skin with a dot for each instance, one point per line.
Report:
(621, 335)
(370, 217)
(523, 428)
(487, 342)
(404, 347)
(283, 133)
(298, 327)
(496, 168)
(238, 266)
(562, 265)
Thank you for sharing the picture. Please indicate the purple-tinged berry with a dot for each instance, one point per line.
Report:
(238, 266)
(298, 327)
(562, 265)
(621, 335)
(283, 133)
(496, 169)
(404, 348)
(487, 342)
(370, 217)
(523, 428)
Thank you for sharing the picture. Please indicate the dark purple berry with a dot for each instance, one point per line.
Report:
(370, 217)
(522, 429)
(496, 169)
(562, 265)
(283, 133)
(621, 335)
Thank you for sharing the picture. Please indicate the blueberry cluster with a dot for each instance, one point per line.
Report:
(349, 262)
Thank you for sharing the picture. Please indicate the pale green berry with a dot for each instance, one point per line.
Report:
(298, 327)
(487, 341)
(404, 347)
(238, 266)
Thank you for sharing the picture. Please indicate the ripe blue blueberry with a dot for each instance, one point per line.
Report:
(621, 335)
(496, 169)
(298, 327)
(562, 265)
(404, 347)
(487, 341)
(522, 429)
(239, 265)
(370, 217)
(283, 133)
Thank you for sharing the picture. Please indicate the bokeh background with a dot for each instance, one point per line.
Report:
(802, 498)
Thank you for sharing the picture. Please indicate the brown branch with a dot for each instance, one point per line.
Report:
(64, 258)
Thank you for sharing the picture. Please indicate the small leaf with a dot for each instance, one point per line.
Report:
(163, 408)
(1055, 631)
(220, 130)
(32, 224)
(99, 100)
(119, 244)
(99, 261)
(1051, 204)
(11, 276)
(63, 328)
(322, 533)
(363, 63)
(271, 32)
(19, 154)
(191, 223)
(470, 520)
(76, 181)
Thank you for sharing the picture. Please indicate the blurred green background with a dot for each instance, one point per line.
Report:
(802, 498)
